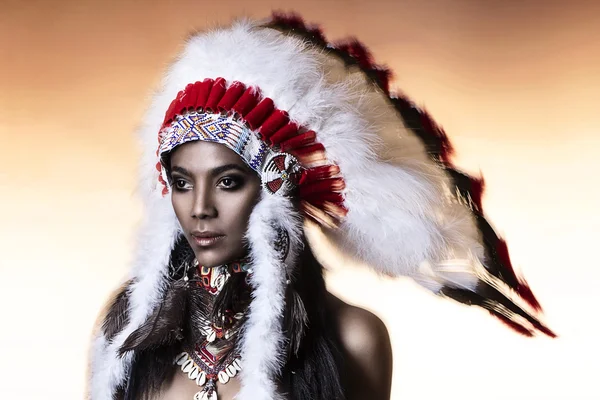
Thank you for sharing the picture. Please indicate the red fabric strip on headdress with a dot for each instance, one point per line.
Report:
(203, 92)
(322, 186)
(276, 120)
(286, 132)
(247, 102)
(260, 113)
(320, 198)
(317, 173)
(189, 97)
(216, 94)
(300, 140)
(171, 111)
(231, 96)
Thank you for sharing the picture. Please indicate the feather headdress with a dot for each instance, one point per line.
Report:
(370, 168)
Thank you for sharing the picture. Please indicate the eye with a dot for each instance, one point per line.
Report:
(230, 182)
(180, 184)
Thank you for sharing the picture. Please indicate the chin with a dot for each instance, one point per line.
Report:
(210, 261)
(213, 259)
(218, 255)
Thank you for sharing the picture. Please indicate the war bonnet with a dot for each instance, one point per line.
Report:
(332, 146)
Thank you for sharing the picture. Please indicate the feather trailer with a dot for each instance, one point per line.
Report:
(411, 212)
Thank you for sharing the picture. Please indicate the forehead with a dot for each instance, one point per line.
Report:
(204, 155)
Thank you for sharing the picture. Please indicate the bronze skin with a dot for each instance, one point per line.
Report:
(213, 194)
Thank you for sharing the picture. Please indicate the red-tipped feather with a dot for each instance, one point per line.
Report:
(189, 98)
(447, 150)
(309, 154)
(384, 75)
(291, 20)
(476, 192)
(331, 197)
(522, 288)
(358, 51)
(295, 22)
(512, 324)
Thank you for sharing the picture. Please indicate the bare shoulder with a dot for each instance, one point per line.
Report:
(366, 344)
(361, 331)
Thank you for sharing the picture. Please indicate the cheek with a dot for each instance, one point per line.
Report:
(179, 206)
(238, 211)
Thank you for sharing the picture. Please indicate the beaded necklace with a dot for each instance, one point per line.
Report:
(209, 361)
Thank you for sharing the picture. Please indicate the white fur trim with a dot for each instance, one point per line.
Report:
(263, 341)
(157, 235)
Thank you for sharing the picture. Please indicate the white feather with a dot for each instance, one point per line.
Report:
(263, 339)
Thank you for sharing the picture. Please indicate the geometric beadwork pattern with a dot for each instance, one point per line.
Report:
(215, 128)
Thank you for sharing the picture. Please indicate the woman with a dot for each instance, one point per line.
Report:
(263, 130)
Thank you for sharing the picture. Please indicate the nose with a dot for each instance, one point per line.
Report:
(204, 205)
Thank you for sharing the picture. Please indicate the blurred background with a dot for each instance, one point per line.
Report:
(515, 84)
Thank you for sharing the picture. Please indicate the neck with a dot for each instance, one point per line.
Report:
(213, 279)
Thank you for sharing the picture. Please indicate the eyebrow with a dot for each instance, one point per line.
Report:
(215, 171)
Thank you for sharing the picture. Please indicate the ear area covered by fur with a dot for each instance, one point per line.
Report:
(273, 260)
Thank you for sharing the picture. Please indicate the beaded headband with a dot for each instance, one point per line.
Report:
(285, 155)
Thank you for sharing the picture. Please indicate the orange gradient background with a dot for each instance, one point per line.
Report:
(515, 84)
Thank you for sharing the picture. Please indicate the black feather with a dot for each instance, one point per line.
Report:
(165, 324)
(118, 314)
(150, 371)
(315, 371)
(295, 319)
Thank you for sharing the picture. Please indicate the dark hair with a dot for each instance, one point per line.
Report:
(313, 368)
(315, 371)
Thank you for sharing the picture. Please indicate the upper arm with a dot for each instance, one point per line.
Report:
(368, 351)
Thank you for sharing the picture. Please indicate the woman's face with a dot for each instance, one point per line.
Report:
(214, 192)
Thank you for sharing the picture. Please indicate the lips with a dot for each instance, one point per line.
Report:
(207, 238)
